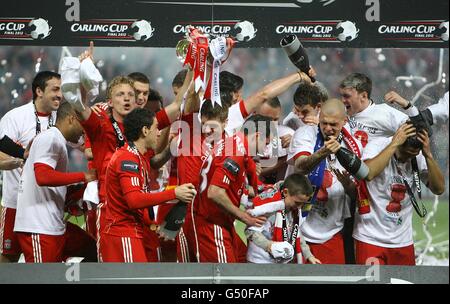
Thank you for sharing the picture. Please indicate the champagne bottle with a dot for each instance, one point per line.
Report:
(174, 221)
(352, 163)
(296, 53)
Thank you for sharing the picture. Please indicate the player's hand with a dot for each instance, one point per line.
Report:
(422, 136)
(185, 193)
(344, 178)
(251, 192)
(99, 107)
(89, 53)
(311, 120)
(173, 137)
(250, 220)
(314, 260)
(11, 163)
(88, 154)
(304, 77)
(393, 97)
(406, 130)
(312, 73)
(91, 175)
(285, 140)
(258, 168)
(331, 146)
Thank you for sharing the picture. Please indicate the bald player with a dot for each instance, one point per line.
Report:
(312, 152)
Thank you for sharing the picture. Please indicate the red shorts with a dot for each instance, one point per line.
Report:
(116, 249)
(44, 248)
(100, 224)
(330, 252)
(151, 244)
(9, 243)
(240, 248)
(168, 251)
(215, 243)
(91, 222)
(385, 256)
(186, 246)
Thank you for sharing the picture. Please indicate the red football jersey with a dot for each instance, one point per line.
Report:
(190, 161)
(103, 141)
(125, 174)
(225, 170)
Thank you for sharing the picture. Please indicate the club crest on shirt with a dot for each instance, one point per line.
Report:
(128, 165)
(267, 194)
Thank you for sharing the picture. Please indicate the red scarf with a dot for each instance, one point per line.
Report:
(278, 233)
(363, 202)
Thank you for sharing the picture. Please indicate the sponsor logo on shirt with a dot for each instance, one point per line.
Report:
(130, 166)
(231, 166)
(355, 125)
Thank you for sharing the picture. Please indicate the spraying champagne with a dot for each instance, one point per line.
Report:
(352, 163)
(296, 53)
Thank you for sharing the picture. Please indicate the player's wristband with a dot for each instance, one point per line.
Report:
(408, 106)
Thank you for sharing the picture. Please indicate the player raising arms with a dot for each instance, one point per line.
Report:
(223, 178)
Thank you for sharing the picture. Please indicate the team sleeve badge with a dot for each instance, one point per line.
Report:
(231, 166)
(129, 166)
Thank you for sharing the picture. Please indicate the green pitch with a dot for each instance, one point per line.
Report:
(438, 227)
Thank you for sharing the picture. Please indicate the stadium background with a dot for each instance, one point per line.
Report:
(18, 66)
